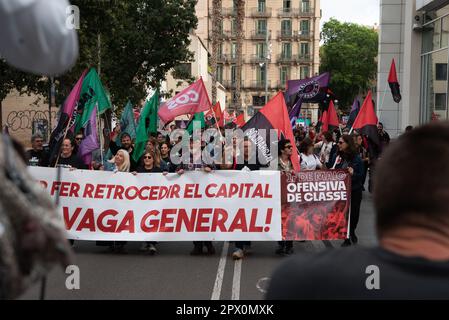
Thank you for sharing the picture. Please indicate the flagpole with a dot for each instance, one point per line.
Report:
(100, 132)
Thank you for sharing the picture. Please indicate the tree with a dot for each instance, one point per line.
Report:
(134, 43)
(349, 53)
(216, 29)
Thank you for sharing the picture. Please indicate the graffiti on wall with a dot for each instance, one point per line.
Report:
(23, 120)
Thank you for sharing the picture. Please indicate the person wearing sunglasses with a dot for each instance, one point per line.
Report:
(347, 157)
(150, 163)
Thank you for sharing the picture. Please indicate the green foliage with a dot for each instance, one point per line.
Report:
(349, 53)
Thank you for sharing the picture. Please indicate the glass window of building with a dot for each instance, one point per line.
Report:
(305, 72)
(287, 5)
(305, 6)
(261, 75)
(284, 75)
(261, 50)
(286, 27)
(286, 50)
(219, 74)
(234, 50)
(304, 27)
(304, 49)
(233, 73)
(261, 26)
(434, 64)
(233, 26)
(261, 5)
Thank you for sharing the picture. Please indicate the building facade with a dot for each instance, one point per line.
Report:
(281, 42)
(416, 34)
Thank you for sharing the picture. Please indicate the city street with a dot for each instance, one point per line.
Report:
(174, 274)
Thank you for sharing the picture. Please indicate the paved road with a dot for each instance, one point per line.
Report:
(174, 274)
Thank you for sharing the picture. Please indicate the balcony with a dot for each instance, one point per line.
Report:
(223, 58)
(225, 35)
(286, 35)
(256, 13)
(303, 58)
(256, 59)
(260, 35)
(229, 12)
(259, 85)
(286, 59)
(287, 13)
(304, 35)
(306, 12)
(232, 84)
(281, 85)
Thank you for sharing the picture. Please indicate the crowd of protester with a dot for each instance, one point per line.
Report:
(317, 151)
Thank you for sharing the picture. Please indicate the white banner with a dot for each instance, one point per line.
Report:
(220, 206)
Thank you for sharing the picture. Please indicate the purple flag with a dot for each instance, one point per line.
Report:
(354, 112)
(67, 117)
(90, 141)
(294, 112)
(312, 90)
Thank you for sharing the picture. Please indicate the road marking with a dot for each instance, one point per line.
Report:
(236, 280)
(262, 284)
(220, 272)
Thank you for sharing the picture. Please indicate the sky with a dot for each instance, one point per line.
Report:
(364, 12)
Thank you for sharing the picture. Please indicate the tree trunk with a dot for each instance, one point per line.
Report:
(240, 36)
(216, 26)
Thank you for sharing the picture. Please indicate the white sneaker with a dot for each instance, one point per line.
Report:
(152, 249)
(238, 254)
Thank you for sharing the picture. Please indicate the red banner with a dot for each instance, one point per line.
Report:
(315, 205)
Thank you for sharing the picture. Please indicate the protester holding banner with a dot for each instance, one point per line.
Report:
(347, 158)
(309, 161)
(194, 162)
(121, 163)
(68, 158)
(248, 164)
(150, 164)
(37, 156)
(285, 149)
(166, 163)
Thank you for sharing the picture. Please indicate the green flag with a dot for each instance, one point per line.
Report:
(197, 117)
(92, 93)
(147, 125)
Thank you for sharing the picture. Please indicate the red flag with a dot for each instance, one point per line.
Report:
(191, 100)
(394, 83)
(325, 121)
(216, 114)
(366, 121)
(240, 120)
(333, 117)
(275, 116)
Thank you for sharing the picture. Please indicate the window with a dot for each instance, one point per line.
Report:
(286, 50)
(261, 50)
(233, 26)
(440, 102)
(441, 71)
(182, 71)
(305, 6)
(305, 27)
(234, 50)
(287, 5)
(261, 26)
(220, 49)
(305, 72)
(40, 126)
(260, 76)
(219, 73)
(258, 101)
(286, 27)
(261, 6)
(284, 75)
(233, 73)
(304, 49)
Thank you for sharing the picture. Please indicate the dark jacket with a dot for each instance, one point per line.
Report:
(355, 163)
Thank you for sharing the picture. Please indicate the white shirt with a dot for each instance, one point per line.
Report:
(34, 36)
(325, 149)
(310, 162)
